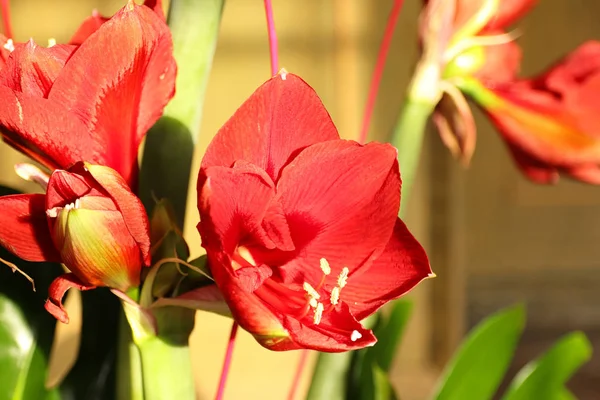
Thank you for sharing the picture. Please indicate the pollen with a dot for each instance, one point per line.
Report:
(51, 42)
(343, 277)
(9, 45)
(311, 291)
(283, 74)
(324, 264)
(335, 295)
(355, 335)
(318, 314)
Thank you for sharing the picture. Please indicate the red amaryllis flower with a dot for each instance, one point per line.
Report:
(95, 102)
(89, 220)
(551, 123)
(467, 39)
(301, 227)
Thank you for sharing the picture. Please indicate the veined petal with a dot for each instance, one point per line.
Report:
(129, 205)
(57, 291)
(341, 200)
(23, 228)
(233, 203)
(31, 125)
(338, 331)
(32, 69)
(401, 266)
(280, 118)
(119, 89)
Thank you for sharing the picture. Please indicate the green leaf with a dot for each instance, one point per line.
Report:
(368, 365)
(329, 377)
(389, 333)
(545, 377)
(93, 375)
(478, 367)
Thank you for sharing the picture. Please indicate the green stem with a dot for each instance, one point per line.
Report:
(329, 377)
(167, 370)
(407, 137)
(170, 143)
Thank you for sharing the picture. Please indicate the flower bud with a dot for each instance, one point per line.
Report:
(98, 226)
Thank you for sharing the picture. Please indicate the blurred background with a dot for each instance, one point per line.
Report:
(494, 239)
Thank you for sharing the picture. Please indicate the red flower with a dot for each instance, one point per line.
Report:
(467, 38)
(95, 102)
(89, 220)
(551, 123)
(301, 227)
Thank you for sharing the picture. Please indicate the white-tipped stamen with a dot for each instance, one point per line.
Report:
(355, 335)
(324, 264)
(51, 42)
(311, 291)
(313, 303)
(318, 313)
(9, 45)
(283, 74)
(335, 296)
(343, 277)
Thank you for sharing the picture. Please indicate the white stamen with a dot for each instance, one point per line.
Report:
(53, 212)
(335, 296)
(311, 291)
(19, 109)
(355, 336)
(343, 277)
(9, 45)
(51, 42)
(283, 74)
(313, 302)
(324, 264)
(318, 313)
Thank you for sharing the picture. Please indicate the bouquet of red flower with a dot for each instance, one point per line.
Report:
(301, 229)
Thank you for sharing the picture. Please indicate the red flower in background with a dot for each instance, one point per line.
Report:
(89, 220)
(468, 38)
(301, 227)
(93, 102)
(551, 123)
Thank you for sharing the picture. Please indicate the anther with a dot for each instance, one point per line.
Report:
(343, 277)
(335, 295)
(9, 45)
(311, 291)
(51, 42)
(324, 264)
(355, 335)
(318, 313)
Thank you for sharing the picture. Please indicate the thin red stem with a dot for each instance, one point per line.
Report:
(5, 4)
(227, 362)
(272, 38)
(379, 66)
(298, 376)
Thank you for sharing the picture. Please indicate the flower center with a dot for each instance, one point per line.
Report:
(299, 303)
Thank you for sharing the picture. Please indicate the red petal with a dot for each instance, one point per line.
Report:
(128, 204)
(335, 333)
(32, 69)
(397, 270)
(65, 187)
(118, 83)
(56, 292)
(341, 200)
(502, 62)
(89, 26)
(4, 52)
(156, 6)
(232, 203)
(32, 125)
(280, 118)
(24, 229)
(247, 309)
(572, 70)
(535, 170)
